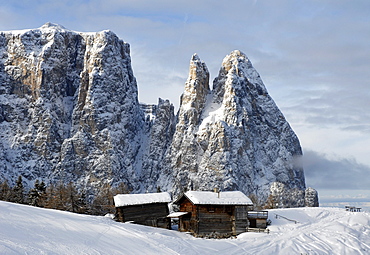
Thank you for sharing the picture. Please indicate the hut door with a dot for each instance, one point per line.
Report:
(252, 223)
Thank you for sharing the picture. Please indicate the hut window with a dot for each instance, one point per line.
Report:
(211, 209)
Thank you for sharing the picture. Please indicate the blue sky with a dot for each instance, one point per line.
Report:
(313, 56)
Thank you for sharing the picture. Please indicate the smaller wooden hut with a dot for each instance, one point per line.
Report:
(206, 213)
(257, 219)
(149, 209)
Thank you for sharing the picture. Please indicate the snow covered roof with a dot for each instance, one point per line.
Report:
(138, 199)
(176, 214)
(215, 198)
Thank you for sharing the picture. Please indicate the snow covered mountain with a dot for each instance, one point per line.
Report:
(69, 111)
(234, 137)
(69, 107)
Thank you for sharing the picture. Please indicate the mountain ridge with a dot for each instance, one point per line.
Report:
(70, 111)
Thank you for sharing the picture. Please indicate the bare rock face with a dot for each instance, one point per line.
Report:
(281, 197)
(311, 197)
(156, 140)
(70, 107)
(185, 148)
(240, 139)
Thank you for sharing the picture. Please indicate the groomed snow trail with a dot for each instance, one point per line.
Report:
(30, 230)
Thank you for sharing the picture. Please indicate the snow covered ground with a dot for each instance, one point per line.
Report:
(31, 230)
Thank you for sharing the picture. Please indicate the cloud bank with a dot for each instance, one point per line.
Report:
(323, 172)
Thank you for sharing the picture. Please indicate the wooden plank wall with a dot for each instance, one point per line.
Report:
(188, 223)
(215, 218)
(148, 214)
(261, 223)
(241, 219)
(207, 219)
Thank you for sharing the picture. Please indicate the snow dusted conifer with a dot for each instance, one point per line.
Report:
(34, 195)
(5, 191)
(18, 191)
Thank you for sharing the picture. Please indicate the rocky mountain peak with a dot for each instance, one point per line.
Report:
(241, 140)
(237, 76)
(50, 25)
(196, 86)
(69, 111)
(69, 98)
(184, 144)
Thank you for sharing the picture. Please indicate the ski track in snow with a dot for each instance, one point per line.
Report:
(31, 230)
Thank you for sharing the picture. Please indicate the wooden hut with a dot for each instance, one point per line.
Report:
(206, 213)
(257, 219)
(149, 209)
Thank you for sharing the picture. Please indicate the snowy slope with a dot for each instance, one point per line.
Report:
(31, 230)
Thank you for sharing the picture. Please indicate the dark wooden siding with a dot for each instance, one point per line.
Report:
(215, 218)
(207, 219)
(147, 214)
(189, 222)
(241, 219)
(258, 219)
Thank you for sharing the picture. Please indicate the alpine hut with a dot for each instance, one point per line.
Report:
(149, 209)
(219, 214)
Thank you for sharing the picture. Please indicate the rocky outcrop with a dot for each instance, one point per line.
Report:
(311, 197)
(71, 106)
(69, 111)
(185, 150)
(283, 197)
(156, 140)
(239, 139)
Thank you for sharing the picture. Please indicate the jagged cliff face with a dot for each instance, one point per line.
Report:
(233, 137)
(69, 111)
(157, 138)
(69, 107)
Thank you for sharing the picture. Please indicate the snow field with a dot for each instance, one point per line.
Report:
(31, 230)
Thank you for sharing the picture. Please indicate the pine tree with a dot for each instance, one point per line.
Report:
(61, 197)
(65, 198)
(42, 191)
(18, 191)
(34, 195)
(37, 195)
(5, 191)
(56, 197)
(82, 205)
